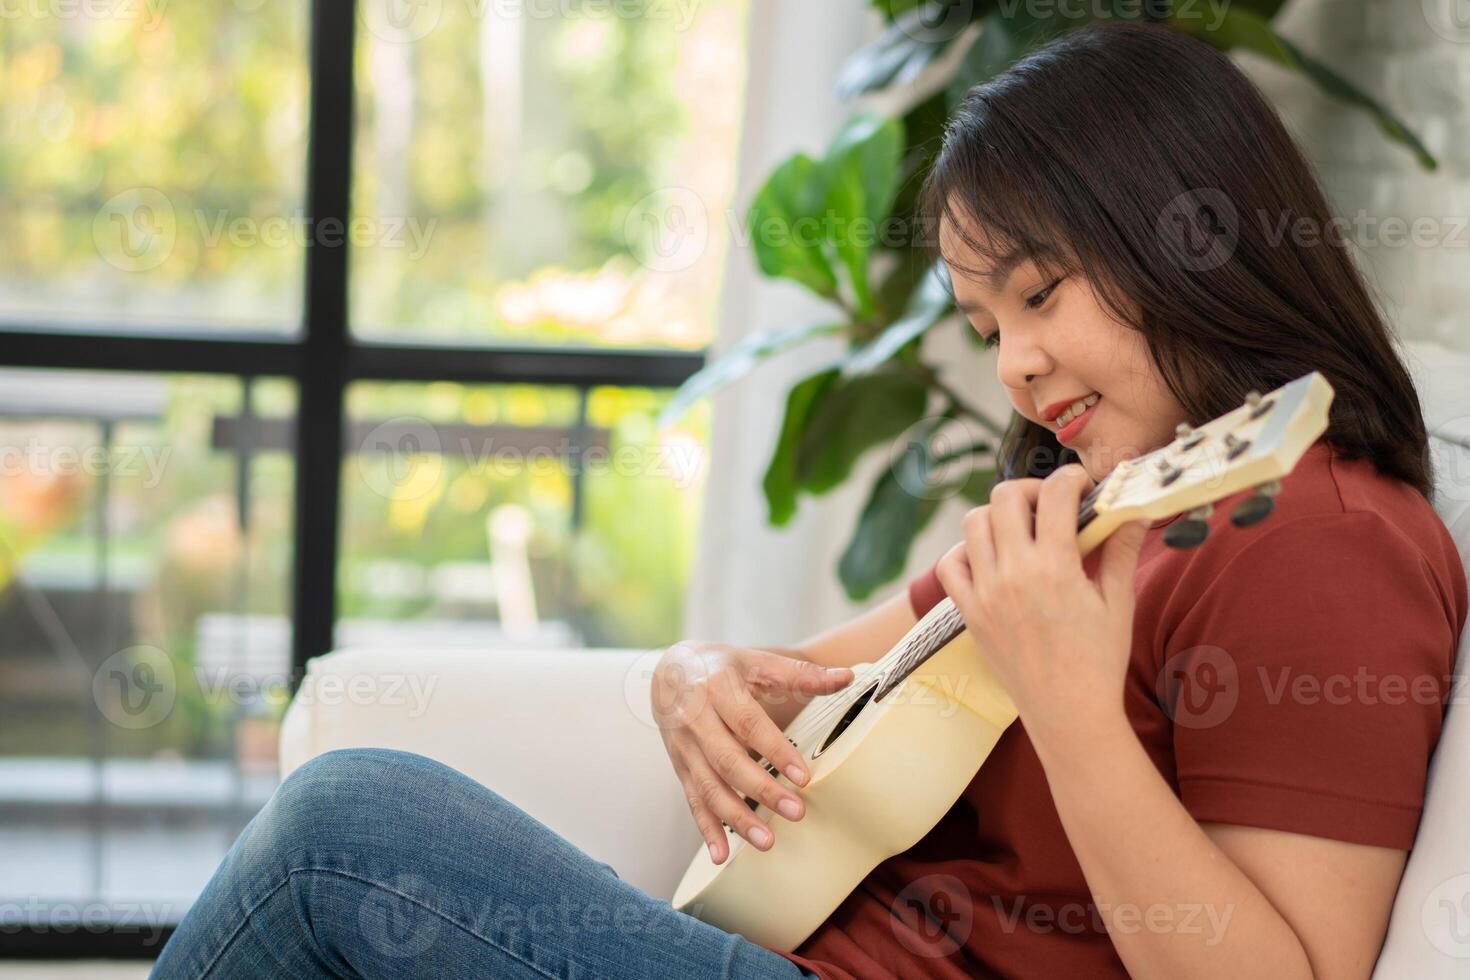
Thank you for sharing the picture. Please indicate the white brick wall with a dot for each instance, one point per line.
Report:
(1414, 56)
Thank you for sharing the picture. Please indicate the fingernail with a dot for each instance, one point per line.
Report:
(712, 855)
(789, 809)
(760, 837)
(796, 774)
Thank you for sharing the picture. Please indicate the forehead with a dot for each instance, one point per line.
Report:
(976, 258)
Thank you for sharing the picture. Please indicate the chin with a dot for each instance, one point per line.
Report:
(1092, 468)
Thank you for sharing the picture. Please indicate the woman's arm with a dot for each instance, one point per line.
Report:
(862, 639)
(1182, 898)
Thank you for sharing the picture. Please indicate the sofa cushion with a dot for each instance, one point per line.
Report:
(1429, 934)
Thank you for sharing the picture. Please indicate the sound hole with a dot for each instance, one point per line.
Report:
(847, 719)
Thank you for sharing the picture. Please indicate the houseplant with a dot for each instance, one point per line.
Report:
(837, 225)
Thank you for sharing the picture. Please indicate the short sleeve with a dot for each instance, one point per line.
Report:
(1307, 682)
(925, 591)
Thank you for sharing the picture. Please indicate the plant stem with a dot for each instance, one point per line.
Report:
(966, 407)
(970, 450)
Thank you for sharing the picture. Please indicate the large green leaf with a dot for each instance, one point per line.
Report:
(897, 288)
(739, 361)
(780, 482)
(1228, 26)
(891, 519)
(1262, 8)
(854, 415)
(862, 166)
(892, 8)
(928, 304)
(792, 196)
(911, 43)
(870, 147)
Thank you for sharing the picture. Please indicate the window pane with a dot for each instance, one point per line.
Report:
(145, 548)
(469, 520)
(152, 164)
(544, 172)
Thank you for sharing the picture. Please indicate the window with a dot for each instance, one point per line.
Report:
(318, 326)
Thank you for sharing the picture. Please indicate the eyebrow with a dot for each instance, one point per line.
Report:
(998, 277)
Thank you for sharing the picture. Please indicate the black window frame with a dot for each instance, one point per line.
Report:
(323, 360)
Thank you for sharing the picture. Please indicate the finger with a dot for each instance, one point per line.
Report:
(1012, 504)
(1057, 506)
(730, 760)
(704, 817)
(753, 727)
(721, 799)
(678, 693)
(953, 572)
(979, 547)
(775, 672)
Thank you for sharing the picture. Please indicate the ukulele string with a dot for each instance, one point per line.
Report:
(910, 652)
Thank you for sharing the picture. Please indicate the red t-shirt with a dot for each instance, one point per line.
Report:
(1309, 659)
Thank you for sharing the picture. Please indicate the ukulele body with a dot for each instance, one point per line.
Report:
(902, 761)
(874, 792)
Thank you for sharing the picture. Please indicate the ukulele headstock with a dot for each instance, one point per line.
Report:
(1252, 446)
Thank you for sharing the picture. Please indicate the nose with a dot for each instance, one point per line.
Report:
(1020, 362)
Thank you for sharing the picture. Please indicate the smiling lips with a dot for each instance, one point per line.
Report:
(1055, 409)
(1074, 418)
(1076, 408)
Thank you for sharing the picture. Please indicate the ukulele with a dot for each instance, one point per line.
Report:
(871, 795)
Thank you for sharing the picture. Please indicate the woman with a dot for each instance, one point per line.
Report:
(1175, 801)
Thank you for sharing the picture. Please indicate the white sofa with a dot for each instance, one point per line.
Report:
(568, 737)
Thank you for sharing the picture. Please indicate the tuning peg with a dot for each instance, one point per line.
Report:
(1191, 530)
(1168, 471)
(1256, 405)
(1234, 445)
(1255, 508)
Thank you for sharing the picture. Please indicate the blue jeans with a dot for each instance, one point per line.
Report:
(374, 863)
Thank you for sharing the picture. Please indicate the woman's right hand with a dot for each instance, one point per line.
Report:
(705, 704)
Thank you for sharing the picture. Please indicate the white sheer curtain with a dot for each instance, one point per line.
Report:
(753, 583)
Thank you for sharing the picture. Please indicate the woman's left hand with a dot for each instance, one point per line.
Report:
(1058, 642)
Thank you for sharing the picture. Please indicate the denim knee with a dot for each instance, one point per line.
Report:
(344, 799)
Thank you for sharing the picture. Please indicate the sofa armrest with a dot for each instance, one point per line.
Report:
(566, 735)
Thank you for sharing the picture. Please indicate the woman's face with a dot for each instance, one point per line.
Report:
(1056, 343)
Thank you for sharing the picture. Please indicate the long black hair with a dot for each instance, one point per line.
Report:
(1146, 160)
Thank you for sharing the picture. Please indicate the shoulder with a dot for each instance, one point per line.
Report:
(1339, 532)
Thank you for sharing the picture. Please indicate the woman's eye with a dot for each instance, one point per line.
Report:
(990, 340)
(1035, 301)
